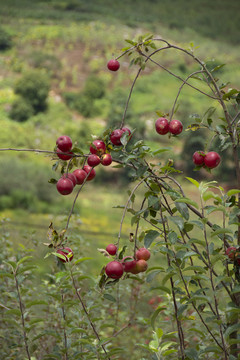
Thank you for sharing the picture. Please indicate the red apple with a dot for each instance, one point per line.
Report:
(115, 137)
(93, 160)
(143, 253)
(98, 147)
(231, 252)
(106, 159)
(61, 154)
(70, 176)
(64, 143)
(212, 159)
(162, 126)
(113, 65)
(67, 253)
(114, 269)
(141, 266)
(80, 175)
(124, 129)
(175, 127)
(198, 157)
(128, 263)
(111, 249)
(89, 169)
(64, 186)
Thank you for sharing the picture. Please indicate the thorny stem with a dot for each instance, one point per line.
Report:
(87, 313)
(22, 315)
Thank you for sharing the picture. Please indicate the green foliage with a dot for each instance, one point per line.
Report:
(21, 109)
(47, 61)
(5, 40)
(24, 185)
(84, 102)
(34, 87)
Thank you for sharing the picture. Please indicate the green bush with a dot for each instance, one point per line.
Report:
(21, 110)
(34, 86)
(5, 40)
(94, 88)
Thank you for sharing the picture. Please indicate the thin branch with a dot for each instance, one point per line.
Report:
(87, 314)
(64, 327)
(126, 206)
(22, 315)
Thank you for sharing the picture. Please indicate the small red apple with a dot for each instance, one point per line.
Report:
(70, 176)
(64, 143)
(80, 175)
(67, 253)
(61, 154)
(111, 249)
(124, 129)
(198, 157)
(162, 126)
(106, 159)
(231, 252)
(113, 65)
(89, 169)
(128, 263)
(212, 159)
(65, 186)
(115, 137)
(141, 266)
(114, 269)
(97, 147)
(143, 253)
(175, 127)
(93, 160)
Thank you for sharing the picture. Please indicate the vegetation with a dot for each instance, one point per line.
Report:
(186, 305)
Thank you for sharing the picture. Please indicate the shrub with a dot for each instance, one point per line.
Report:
(21, 110)
(34, 86)
(5, 40)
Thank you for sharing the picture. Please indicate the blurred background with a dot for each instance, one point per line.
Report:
(54, 81)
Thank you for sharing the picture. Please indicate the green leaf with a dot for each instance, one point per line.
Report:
(155, 315)
(36, 302)
(194, 182)
(82, 259)
(221, 231)
(177, 220)
(14, 312)
(159, 333)
(25, 258)
(150, 236)
(163, 288)
(233, 192)
(183, 209)
(109, 297)
(187, 201)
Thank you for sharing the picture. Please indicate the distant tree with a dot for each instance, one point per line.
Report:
(34, 87)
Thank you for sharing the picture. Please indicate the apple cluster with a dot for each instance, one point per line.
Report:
(163, 126)
(210, 160)
(98, 155)
(129, 264)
